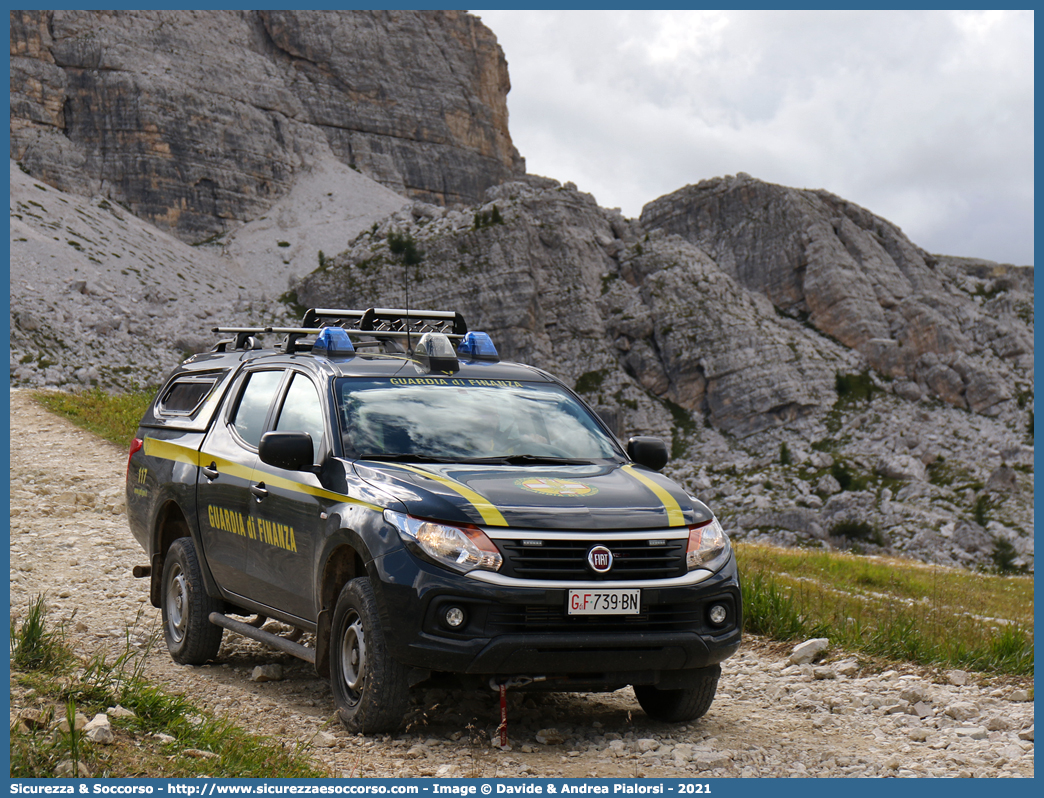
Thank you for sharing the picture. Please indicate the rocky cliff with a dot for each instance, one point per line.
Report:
(821, 380)
(751, 343)
(957, 330)
(200, 120)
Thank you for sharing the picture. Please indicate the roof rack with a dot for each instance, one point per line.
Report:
(244, 337)
(388, 320)
(375, 323)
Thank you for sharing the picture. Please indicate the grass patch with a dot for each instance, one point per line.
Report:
(65, 685)
(114, 417)
(890, 608)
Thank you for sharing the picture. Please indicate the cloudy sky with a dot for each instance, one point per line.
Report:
(923, 117)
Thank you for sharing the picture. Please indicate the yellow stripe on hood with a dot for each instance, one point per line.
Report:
(490, 514)
(675, 516)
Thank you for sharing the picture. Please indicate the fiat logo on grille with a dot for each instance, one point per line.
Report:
(600, 559)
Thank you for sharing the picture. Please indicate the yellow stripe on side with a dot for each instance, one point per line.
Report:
(166, 450)
(490, 514)
(675, 516)
(321, 493)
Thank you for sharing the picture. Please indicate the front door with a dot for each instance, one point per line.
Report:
(227, 460)
(287, 508)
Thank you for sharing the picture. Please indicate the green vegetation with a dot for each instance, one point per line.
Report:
(114, 417)
(857, 530)
(483, 219)
(981, 510)
(853, 388)
(893, 609)
(1004, 556)
(591, 381)
(784, 454)
(64, 685)
(291, 301)
(404, 245)
(282, 243)
(684, 428)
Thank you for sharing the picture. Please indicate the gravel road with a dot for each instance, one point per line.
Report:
(70, 542)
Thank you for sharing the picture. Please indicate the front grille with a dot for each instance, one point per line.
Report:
(543, 618)
(564, 560)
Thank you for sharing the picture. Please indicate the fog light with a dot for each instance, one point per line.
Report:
(718, 614)
(454, 617)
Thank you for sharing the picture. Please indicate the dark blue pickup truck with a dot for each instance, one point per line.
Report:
(419, 511)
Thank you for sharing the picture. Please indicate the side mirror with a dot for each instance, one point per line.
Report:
(289, 450)
(649, 452)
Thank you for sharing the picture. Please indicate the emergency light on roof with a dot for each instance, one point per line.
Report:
(333, 341)
(478, 346)
(436, 352)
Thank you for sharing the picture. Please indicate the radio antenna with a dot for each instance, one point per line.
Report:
(406, 266)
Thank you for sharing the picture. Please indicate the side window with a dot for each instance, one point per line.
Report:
(303, 412)
(254, 402)
(184, 396)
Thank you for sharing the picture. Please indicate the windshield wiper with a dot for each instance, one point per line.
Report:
(400, 458)
(528, 459)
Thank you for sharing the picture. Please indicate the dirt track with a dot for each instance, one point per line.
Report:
(70, 541)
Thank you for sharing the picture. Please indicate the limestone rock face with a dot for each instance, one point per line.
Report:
(624, 317)
(959, 329)
(198, 120)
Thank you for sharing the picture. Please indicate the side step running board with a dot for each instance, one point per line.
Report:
(261, 636)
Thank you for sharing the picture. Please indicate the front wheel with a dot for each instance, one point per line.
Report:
(683, 704)
(191, 638)
(369, 687)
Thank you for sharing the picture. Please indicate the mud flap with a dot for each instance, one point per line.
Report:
(322, 644)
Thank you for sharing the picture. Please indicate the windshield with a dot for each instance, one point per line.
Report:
(465, 419)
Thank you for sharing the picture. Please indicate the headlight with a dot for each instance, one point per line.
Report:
(708, 546)
(463, 548)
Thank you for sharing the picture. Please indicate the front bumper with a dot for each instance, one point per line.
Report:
(511, 630)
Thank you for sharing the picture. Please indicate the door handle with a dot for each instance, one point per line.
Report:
(259, 490)
(211, 471)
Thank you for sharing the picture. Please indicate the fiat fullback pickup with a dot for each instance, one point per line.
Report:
(418, 511)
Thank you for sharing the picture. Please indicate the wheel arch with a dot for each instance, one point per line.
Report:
(342, 564)
(171, 523)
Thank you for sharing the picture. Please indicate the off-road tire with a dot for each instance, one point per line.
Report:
(191, 638)
(369, 686)
(684, 704)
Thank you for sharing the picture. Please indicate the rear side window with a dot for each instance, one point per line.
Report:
(184, 396)
(254, 402)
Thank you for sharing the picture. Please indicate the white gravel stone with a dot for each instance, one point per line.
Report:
(806, 652)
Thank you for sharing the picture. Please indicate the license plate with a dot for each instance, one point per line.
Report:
(604, 602)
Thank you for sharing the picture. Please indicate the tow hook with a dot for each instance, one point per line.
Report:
(502, 685)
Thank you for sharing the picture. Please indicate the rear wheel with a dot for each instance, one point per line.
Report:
(191, 638)
(683, 704)
(369, 687)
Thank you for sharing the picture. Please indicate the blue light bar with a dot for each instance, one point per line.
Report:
(333, 341)
(477, 346)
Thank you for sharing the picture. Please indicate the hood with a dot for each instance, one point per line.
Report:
(590, 497)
